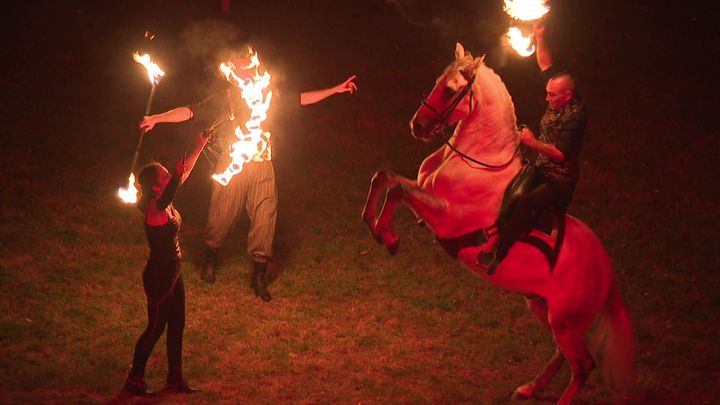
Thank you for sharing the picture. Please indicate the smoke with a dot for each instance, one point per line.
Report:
(479, 25)
(208, 41)
(476, 23)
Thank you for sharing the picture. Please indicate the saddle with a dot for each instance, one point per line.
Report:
(546, 235)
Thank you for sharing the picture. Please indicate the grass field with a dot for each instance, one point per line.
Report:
(348, 323)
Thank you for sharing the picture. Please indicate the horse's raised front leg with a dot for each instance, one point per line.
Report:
(378, 186)
(424, 205)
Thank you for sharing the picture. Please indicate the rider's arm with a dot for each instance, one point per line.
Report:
(570, 134)
(528, 138)
(542, 53)
(567, 144)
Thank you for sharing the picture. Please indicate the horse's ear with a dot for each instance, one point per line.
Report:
(459, 51)
(470, 70)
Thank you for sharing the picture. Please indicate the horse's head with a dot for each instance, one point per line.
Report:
(450, 100)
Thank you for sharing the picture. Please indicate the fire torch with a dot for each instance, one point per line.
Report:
(524, 11)
(154, 72)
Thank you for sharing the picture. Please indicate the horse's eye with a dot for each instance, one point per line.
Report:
(450, 92)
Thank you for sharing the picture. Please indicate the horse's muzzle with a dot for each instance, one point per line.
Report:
(421, 129)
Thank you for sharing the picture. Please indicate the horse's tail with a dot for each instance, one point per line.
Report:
(616, 336)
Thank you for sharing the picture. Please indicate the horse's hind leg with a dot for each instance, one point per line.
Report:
(538, 306)
(571, 341)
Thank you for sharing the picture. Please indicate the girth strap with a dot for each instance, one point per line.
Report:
(475, 238)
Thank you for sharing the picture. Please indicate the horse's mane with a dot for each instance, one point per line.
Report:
(495, 108)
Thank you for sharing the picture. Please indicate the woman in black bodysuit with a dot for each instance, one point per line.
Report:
(162, 280)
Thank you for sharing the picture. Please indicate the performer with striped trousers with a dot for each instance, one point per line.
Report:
(253, 189)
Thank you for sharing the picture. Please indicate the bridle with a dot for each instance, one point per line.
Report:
(444, 115)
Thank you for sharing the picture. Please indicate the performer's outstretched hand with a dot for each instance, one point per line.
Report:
(148, 123)
(347, 86)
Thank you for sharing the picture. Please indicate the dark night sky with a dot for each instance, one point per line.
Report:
(644, 58)
(664, 40)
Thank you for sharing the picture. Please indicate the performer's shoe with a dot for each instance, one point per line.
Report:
(181, 387)
(489, 261)
(137, 388)
(258, 281)
(209, 264)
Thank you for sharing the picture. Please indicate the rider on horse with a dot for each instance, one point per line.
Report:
(561, 133)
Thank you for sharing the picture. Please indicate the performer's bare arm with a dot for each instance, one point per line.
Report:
(190, 160)
(179, 114)
(315, 96)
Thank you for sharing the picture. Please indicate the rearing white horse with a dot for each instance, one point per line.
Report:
(459, 190)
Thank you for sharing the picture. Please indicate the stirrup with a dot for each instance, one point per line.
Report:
(489, 261)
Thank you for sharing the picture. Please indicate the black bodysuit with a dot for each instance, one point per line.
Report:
(165, 291)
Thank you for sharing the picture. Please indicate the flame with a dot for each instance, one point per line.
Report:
(520, 43)
(129, 194)
(251, 145)
(153, 70)
(526, 10)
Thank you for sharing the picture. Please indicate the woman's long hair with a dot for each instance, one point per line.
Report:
(146, 179)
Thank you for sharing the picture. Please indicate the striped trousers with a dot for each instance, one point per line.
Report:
(254, 190)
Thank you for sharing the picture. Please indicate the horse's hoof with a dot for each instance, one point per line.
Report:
(517, 396)
(524, 392)
(377, 238)
(393, 247)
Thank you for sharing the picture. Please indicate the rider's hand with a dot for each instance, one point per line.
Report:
(526, 135)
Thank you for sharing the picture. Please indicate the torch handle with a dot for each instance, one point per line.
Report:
(150, 99)
(142, 131)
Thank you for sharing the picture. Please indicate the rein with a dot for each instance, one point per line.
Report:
(502, 166)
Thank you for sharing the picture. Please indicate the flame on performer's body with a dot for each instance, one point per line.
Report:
(523, 10)
(521, 44)
(129, 194)
(526, 10)
(251, 145)
(153, 70)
